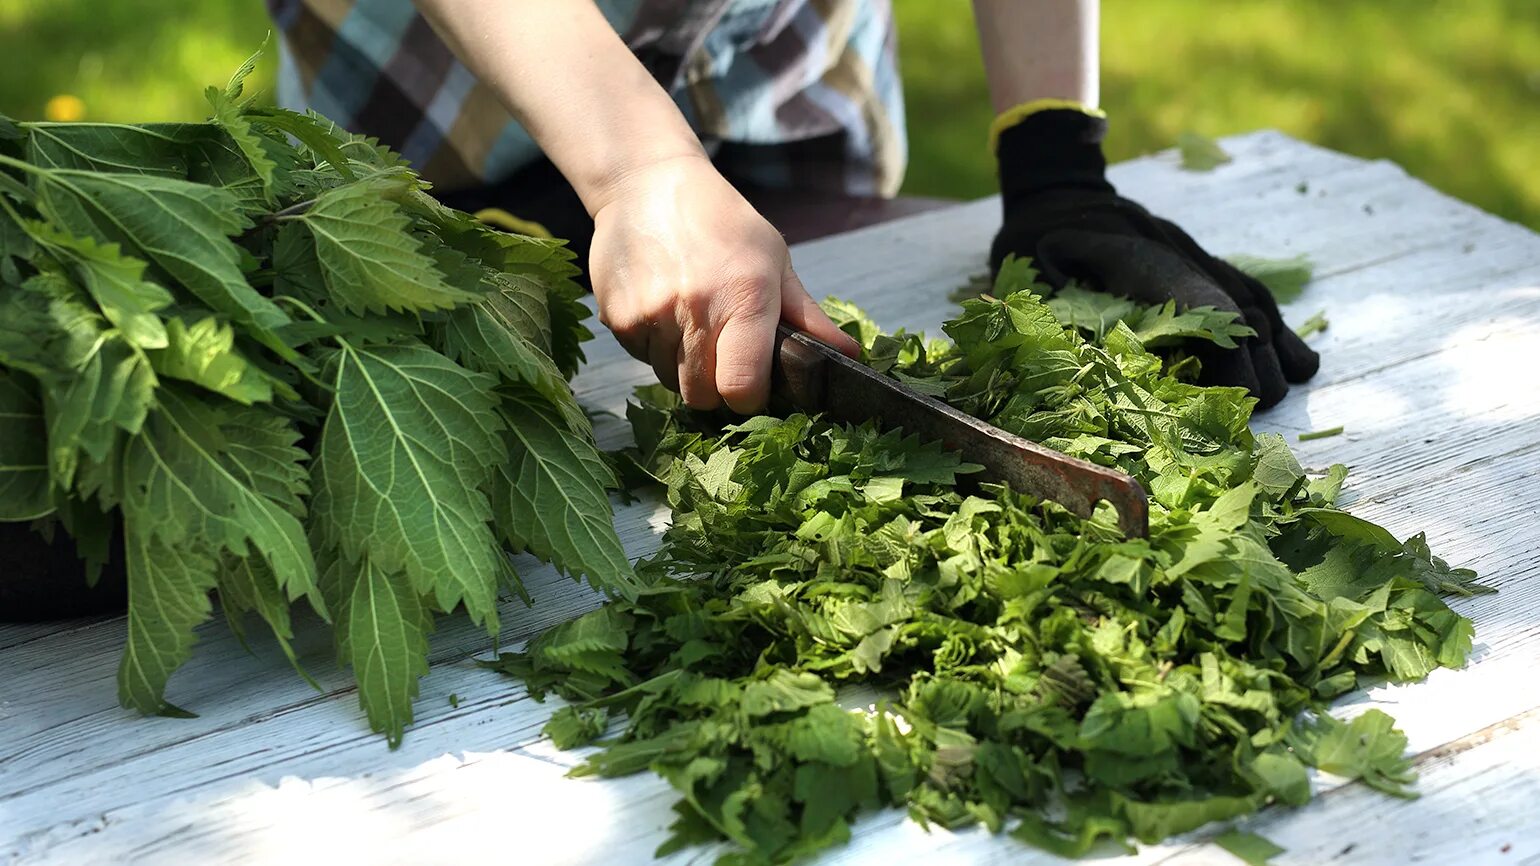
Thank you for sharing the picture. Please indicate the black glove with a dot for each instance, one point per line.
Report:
(1061, 212)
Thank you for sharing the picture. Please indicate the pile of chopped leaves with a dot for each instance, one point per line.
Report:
(839, 620)
(286, 372)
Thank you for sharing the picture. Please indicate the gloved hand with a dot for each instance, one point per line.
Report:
(1061, 212)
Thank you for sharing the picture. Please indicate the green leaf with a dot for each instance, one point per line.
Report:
(387, 640)
(247, 584)
(488, 337)
(1285, 278)
(204, 353)
(1345, 525)
(1199, 152)
(571, 727)
(94, 384)
(222, 476)
(168, 594)
(24, 487)
(784, 691)
(1251, 849)
(549, 496)
(369, 260)
(1093, 312)
(112, 147)
(183, 228)
(1368, 748)
(320, 136)
(1276, 468)
(408, 446)
(230, 116)
(1312, 325)
(115, 281)
(1164, 326)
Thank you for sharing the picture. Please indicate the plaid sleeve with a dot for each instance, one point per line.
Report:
(792, 92)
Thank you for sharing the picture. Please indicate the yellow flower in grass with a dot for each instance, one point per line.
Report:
(64, 108)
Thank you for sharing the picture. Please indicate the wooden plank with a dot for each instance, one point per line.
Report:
(1477, 807)
(81, 789)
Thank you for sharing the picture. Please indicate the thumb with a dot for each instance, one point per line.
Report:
(799, 310)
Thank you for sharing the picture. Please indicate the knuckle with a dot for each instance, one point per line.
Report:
(695, 299)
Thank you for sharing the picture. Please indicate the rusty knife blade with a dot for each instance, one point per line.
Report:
(813, 377)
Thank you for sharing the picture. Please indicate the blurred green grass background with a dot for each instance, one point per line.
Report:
(1450, 89)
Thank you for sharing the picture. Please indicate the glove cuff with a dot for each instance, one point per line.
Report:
(1050, 148)
(1017, 113)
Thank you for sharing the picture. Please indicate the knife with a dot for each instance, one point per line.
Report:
(815, 378)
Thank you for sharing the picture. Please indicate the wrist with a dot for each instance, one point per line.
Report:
(1020, 112)
(1052, 147)
(638, 174)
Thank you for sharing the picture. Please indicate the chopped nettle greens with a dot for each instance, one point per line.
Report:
(841, 620)
(1313, 325)
(1321, 434)
(259, 346)
(1198, 152)
(1284, 278)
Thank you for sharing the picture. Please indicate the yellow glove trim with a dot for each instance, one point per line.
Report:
(1016, 114)
(499, 218)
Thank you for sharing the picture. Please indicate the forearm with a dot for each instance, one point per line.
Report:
(1039, 49)
(565, 75)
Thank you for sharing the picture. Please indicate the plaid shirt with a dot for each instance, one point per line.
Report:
(789, 92)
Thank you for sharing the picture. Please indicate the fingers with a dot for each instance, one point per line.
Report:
(696, 363)
(799, 310)
(1271, 385)
(1129, 266)
(663, 355)
(744, 344)
(1296, 361)
(1299, 361)
(1229, 368)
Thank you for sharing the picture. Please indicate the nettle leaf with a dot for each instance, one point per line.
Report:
(550, 496)
(548, 264)
(115, 281)
(112, 147)
(408, 446)
(1163, 326)
(95, 384)
(386, 625)
(229, 115)
(247, 584)
(224, 476)
(183, 228)
(1368, 748)
(1284, 278)
(1199, 152)
(16, 246)
(488, 338)
(168, 595)
(1093, 312)
(204, 353)
(1277, 469)
(369, 260)
(570, 727)
(24, 484)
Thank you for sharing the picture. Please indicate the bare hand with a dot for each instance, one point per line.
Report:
(692, 280)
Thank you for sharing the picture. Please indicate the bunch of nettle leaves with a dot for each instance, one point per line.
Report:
(1033, 670)
(289, 374)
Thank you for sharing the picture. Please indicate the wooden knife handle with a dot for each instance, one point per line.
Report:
(797, 370)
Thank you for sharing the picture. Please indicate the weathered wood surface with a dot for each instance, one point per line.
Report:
(1435, 317)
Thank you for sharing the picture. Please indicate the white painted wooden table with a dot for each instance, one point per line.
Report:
(1432, 363)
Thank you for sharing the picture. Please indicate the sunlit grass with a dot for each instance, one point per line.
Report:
(1446, 88)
